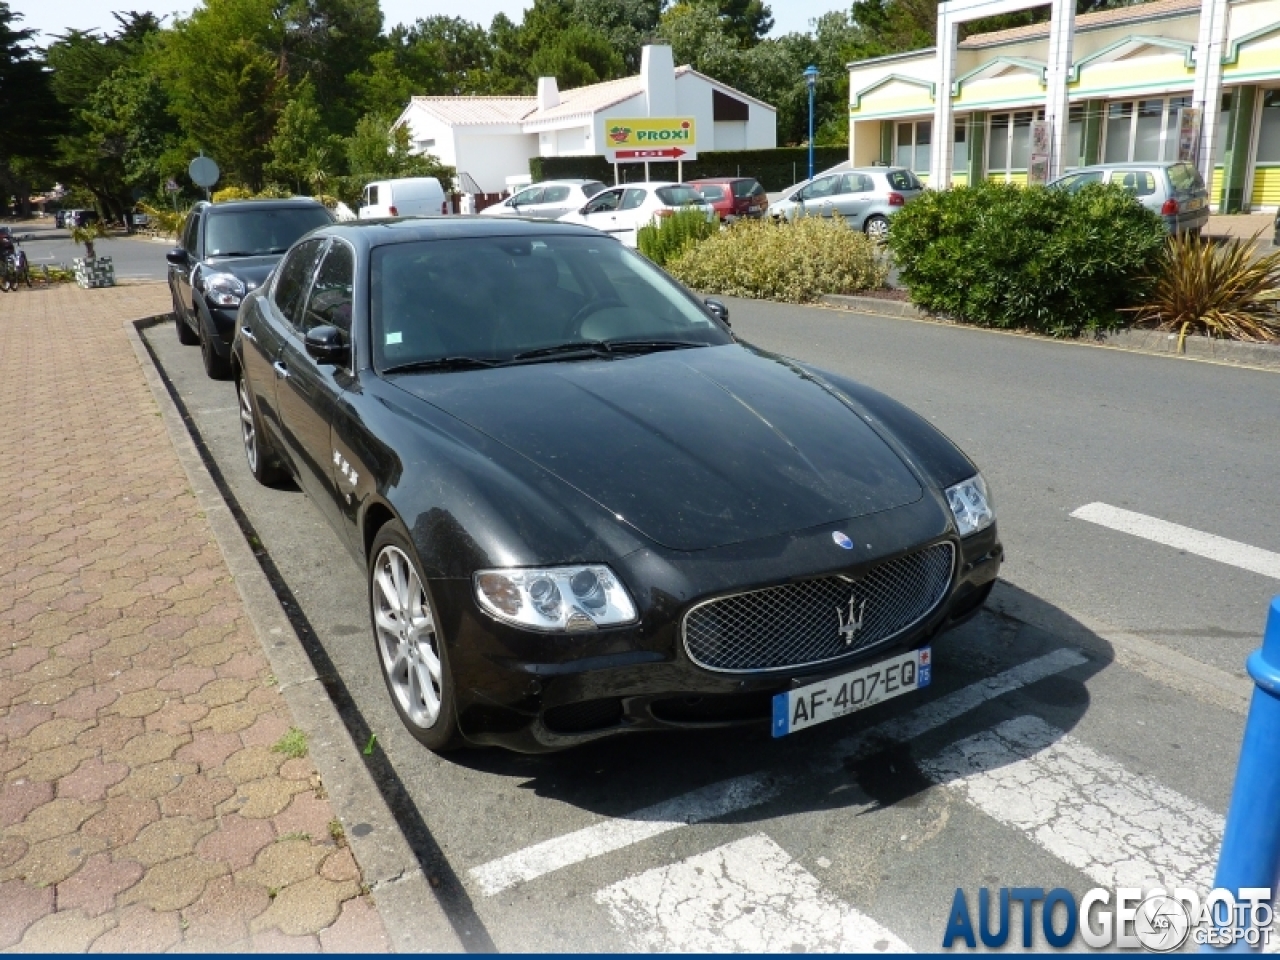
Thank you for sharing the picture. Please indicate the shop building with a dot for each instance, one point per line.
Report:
(1130, 73)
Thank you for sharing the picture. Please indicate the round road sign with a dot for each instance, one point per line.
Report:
(203, 171)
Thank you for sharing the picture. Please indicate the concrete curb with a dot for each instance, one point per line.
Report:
(1261, 356)
(411, 912)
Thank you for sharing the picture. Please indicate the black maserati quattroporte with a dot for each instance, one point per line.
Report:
(582, 507)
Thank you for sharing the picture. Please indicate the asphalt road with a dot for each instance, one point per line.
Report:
(135, 258)
(1045, 776)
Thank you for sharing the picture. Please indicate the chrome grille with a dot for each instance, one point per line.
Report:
(797, 624)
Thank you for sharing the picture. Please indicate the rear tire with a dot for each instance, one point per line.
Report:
(408, 643)
(876, 227)
(263, 462)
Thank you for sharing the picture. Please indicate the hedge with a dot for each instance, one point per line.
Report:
(1001, 255)
(775, 169)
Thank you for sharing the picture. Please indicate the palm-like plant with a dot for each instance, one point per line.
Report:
(1220, 290)
(87, 234)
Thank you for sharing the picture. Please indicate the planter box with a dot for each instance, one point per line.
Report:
(98, 272)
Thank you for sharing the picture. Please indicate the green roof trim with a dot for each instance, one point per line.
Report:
(855, 100)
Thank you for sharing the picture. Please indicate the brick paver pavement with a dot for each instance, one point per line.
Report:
(142, 806)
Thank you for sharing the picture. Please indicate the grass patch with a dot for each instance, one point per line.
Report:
(293, 744)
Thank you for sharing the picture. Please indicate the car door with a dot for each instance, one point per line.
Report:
(264, 364)
(815, 199)
(853, 198)
(602, 210)
(180, 273)
(525, 203)
(635, 210)
(307, 391)
(556, 202)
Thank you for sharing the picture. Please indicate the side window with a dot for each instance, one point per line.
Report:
(330, 299)
(293, 277)
(191, 232)
(1140, 183)
(1078, 181)
(856, 183)
(821, 188)
(631, 199)
(604, 202)
(556, 195)
(371, 196)
(532, 195)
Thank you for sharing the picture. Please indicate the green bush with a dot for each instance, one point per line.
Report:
(776, 169)
(796, 262)
(1000, 255)
(672, 235)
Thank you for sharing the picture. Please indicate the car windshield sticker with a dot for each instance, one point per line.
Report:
(393, 338)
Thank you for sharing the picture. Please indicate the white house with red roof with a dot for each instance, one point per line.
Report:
(492, 139)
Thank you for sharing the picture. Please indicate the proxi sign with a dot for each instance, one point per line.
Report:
(650, 138)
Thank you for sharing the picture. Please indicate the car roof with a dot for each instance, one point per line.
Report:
(378, 232)
(719, 179)
(282, 203)
(560, 183)
(1130, 165)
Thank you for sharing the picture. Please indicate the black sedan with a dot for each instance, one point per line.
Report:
(582, 507)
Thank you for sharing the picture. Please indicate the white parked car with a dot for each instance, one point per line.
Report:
(621, 211)
(549, 200)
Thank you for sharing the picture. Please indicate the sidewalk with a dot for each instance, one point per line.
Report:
(1244, 226)
(145, 801)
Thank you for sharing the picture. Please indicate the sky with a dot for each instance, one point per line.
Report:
(51, 17)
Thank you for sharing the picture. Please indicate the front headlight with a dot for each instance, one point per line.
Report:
(555, 599)
(971, 505)
(223, 289)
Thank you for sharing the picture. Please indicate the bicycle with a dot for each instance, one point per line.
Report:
(15, 270)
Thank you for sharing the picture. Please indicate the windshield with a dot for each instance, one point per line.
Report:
(494, 298)
(251, 233)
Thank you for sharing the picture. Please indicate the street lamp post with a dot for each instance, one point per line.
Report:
(811, 78)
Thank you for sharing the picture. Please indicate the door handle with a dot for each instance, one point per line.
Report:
(282, 371)
(248, 334)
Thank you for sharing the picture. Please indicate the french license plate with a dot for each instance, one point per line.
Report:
(838, 696)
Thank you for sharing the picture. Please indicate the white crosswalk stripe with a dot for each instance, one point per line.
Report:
(725, 797)
(746, 896)
(1119, 828)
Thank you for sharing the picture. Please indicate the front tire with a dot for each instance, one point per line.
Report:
(410, 648)
(186, 336)
(216, 366)
(876, 227)
(263, 463)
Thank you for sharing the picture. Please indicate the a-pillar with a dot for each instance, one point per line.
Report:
(1062, 31)
(1207, 91)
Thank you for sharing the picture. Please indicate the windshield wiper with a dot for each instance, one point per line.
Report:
(640, 344)
(566, 351)
(441, 363)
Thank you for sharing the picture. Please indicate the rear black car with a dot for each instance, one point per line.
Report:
(225, 251)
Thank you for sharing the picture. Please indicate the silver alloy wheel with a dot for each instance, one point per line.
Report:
(877, 228)
(407, 639)
(248, 431)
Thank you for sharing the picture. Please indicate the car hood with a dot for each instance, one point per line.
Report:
(692, 448)
(251, 271)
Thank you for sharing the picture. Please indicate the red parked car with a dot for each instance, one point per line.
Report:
(733, 197)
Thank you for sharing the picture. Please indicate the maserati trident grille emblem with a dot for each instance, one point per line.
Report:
(851, 624)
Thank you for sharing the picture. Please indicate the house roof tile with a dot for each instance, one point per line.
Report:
(1103, 18)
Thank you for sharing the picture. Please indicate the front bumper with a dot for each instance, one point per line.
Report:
(538, 692)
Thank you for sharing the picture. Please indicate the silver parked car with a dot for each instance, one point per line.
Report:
(865, 196)
(549, 200)
(1175, 191)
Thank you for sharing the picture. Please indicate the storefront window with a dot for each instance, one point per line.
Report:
(1075, 137)
(1010, 148)
(1146, 137)
(998, 149)
(1269, 130)
(1171, 121)
(1119, 121)
(1220, 135)
(960, 151)
(913, 145)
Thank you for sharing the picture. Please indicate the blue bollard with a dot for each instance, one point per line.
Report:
(1251, 845)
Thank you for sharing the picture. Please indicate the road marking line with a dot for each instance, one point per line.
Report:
(1119, 828)
(1231, 552)
(728, 796)
(746, 896)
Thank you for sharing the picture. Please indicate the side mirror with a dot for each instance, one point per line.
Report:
(718, 310)
(178, 257)
(327, 345)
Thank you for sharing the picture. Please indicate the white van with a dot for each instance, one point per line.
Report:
(408, 197)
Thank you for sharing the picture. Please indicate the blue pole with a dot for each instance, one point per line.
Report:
(811, 128)
(1251, 845)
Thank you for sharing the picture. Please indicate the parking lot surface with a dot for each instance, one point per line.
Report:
(1103, 688)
